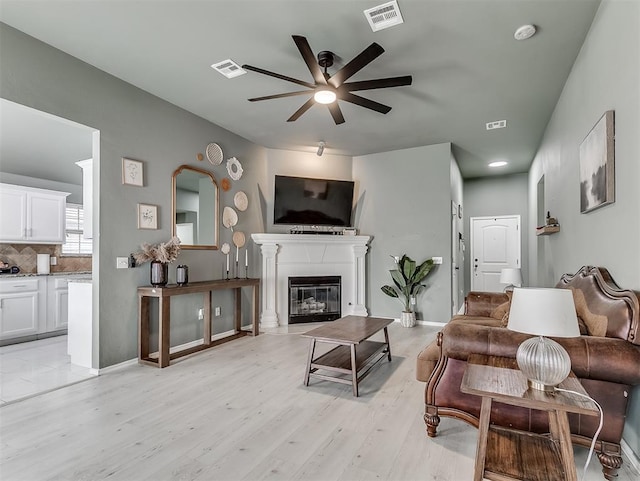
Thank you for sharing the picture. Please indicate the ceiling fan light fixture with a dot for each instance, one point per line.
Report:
(324, 96)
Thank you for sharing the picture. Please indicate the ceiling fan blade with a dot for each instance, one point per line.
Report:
(309, 59)
(280, 96)
(277, 75)
(368, 55)
(336, 113)
(306, 106)
(366, 103)
(381, 83)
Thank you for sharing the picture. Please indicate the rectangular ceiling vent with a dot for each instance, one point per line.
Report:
(497, 124)
(384, 16)
(228, 68)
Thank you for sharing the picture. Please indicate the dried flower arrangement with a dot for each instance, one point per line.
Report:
(165, 252)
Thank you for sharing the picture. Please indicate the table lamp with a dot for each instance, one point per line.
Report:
(543, 312)
(512, 277)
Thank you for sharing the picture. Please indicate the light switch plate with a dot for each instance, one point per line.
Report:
(437, 260)
(122, 262)
(53, 261)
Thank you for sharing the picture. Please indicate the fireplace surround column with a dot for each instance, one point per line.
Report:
(269, 315)
(359, 279)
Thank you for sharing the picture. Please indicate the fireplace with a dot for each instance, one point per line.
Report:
(314, 299)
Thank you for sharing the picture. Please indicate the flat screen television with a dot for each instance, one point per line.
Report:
(304, 201)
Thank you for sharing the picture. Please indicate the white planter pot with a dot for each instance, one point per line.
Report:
(407, 319)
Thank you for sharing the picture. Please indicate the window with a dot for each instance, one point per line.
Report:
(75, 244)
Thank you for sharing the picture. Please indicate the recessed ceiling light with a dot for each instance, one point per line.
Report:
(498, 163)
(525, 32)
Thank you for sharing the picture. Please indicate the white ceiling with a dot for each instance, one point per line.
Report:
(467, 69)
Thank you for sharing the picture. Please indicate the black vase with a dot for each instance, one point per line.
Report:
(159, 273)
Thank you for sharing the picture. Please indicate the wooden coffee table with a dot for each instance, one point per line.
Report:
(353, 356)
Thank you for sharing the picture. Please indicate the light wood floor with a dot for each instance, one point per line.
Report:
(240, 411)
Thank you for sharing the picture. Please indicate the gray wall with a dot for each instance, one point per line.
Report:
(405, 203)
(506, 195)
(300, 164)
(135, 124)
(605, 76)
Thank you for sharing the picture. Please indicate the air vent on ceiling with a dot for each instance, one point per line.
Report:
(384, 16)
(228, 68)
(497, 124)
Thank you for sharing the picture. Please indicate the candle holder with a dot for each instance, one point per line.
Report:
(237, 271)
(246, 272)
(227, 275)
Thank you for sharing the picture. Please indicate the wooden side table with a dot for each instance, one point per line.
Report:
(505, 453)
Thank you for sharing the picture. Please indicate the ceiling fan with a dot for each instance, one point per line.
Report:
(327, 89)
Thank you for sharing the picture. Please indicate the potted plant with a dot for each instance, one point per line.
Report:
(159, 255)
(407, 279)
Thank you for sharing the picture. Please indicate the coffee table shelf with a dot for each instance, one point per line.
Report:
(354, 355)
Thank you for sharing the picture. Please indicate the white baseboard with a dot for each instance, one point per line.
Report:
(631, 456)
(130, 362)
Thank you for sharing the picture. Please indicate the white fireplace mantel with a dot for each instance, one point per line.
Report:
(293, 255)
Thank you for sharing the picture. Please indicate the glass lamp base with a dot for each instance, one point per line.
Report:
(544, 362)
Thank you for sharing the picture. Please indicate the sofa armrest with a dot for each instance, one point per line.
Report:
(483, 303)
(599, 358)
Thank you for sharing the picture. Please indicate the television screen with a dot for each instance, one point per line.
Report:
(303, 201)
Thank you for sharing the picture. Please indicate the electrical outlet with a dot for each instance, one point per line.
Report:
(53, 261)
(437, 260)
(200, 314)
(122, 262)
(217, 311)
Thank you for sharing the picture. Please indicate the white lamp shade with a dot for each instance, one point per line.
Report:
(511, 276)
(324, 96)
(543, 312)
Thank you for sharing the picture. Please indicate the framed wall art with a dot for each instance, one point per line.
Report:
(597, 172)
(147, 216)
(132, 172)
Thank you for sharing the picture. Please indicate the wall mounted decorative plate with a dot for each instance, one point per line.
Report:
(225, 184)
(234, 168)
(238, 239)
(226, 248)
(214, 154)
(229, 217)
(241, 201)
(199, 156)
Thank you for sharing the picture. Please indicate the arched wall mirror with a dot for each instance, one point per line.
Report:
(194, 208)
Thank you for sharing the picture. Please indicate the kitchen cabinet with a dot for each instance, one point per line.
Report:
(87, 196)
(57, 303)
(32, 216)
(22, 306)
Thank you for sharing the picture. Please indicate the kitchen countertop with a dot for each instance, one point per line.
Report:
(52, 274)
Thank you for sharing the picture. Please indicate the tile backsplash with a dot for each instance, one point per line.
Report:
(24, 256)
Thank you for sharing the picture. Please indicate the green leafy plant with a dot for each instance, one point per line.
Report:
(407, 279)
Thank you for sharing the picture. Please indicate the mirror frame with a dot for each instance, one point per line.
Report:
(176, 172)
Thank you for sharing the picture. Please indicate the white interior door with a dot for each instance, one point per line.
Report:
(495, 244)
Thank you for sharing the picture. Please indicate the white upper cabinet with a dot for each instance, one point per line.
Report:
(32, 216)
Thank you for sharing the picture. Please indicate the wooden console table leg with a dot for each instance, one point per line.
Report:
(206, 327)
(312, 348)
(143, 327)
(256, 310)
(483, 434)
(164, 343)
(354, 370)
(237, 316)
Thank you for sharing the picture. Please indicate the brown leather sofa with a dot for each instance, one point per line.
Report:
(606, 359)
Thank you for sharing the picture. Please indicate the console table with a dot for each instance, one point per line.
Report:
(164, 294)
(505, 453)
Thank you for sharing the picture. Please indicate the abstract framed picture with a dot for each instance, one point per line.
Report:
(132, 172)
(597, 165)
(147, 216)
